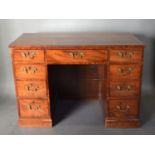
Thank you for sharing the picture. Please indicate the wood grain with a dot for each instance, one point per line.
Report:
(33, 108)
(124, 89)
(125, 72)
(35, 122)
(125, 55)
(98, 65)
(129, 123)
(28, 56)
(76, 56)
(123, 109)
(30, 72)
(31, 89)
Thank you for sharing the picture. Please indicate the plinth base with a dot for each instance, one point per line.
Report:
(133, 123)
(35, 123)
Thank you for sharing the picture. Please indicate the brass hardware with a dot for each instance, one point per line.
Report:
(120, 70)
(130, 54)
(125, 54)
(27, 88)
(123, 108)
(25, 70)
(71, 54)
(129, 87)
(32, 87)
(28, 54)
(120, 54)
(119, 87)
(29, 107)
(130, 69)
(81, 54)
(33, 107)
(125, 71)
(76, 54)
(30, 69)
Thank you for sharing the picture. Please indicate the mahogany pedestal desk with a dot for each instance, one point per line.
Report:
(121, 55)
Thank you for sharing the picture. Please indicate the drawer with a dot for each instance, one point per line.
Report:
(123, 108)
(124, 89)
(125, 56)
(33, 108)
(30, 71)
(120, 72)
(31, 89)
(33, 56)
(76, 56)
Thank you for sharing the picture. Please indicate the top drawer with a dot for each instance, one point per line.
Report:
(76, 56)
(28, 56)
(125, 56)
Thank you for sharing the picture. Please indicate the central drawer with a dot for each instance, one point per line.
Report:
(76, 56)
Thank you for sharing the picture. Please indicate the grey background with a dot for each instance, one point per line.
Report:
(11, 29)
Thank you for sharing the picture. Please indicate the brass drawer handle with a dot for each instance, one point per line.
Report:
(30, 69)
(71, 54)
(124, 71)
(122, 108)
(31, 87)
(28, 54)
(130, 69)
(125, 54)
(119, 87)
(129, 88)
(81, 54)
(130, 54)
(33, 107)
(76, 54)
(120, 54)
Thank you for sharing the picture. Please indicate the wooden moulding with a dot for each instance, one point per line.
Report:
(35, 122)
(131, 123)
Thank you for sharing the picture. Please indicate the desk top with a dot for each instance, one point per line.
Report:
(64, 40)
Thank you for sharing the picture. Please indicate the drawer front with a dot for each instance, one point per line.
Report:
(123, 108)
(118, 72)
(76, 56)
(33, 56)
(124, 89)
(33, 108)
(31, 89)
(30, 71)
(125, 56)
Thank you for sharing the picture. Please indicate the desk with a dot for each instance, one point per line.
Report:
(121, 54)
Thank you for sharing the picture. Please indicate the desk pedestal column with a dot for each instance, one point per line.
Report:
(34, 111)
(123, 89)
(31, 81)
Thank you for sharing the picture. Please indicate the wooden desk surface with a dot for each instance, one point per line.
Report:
(64, 40)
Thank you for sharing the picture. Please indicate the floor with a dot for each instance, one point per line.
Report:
(76, 118)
